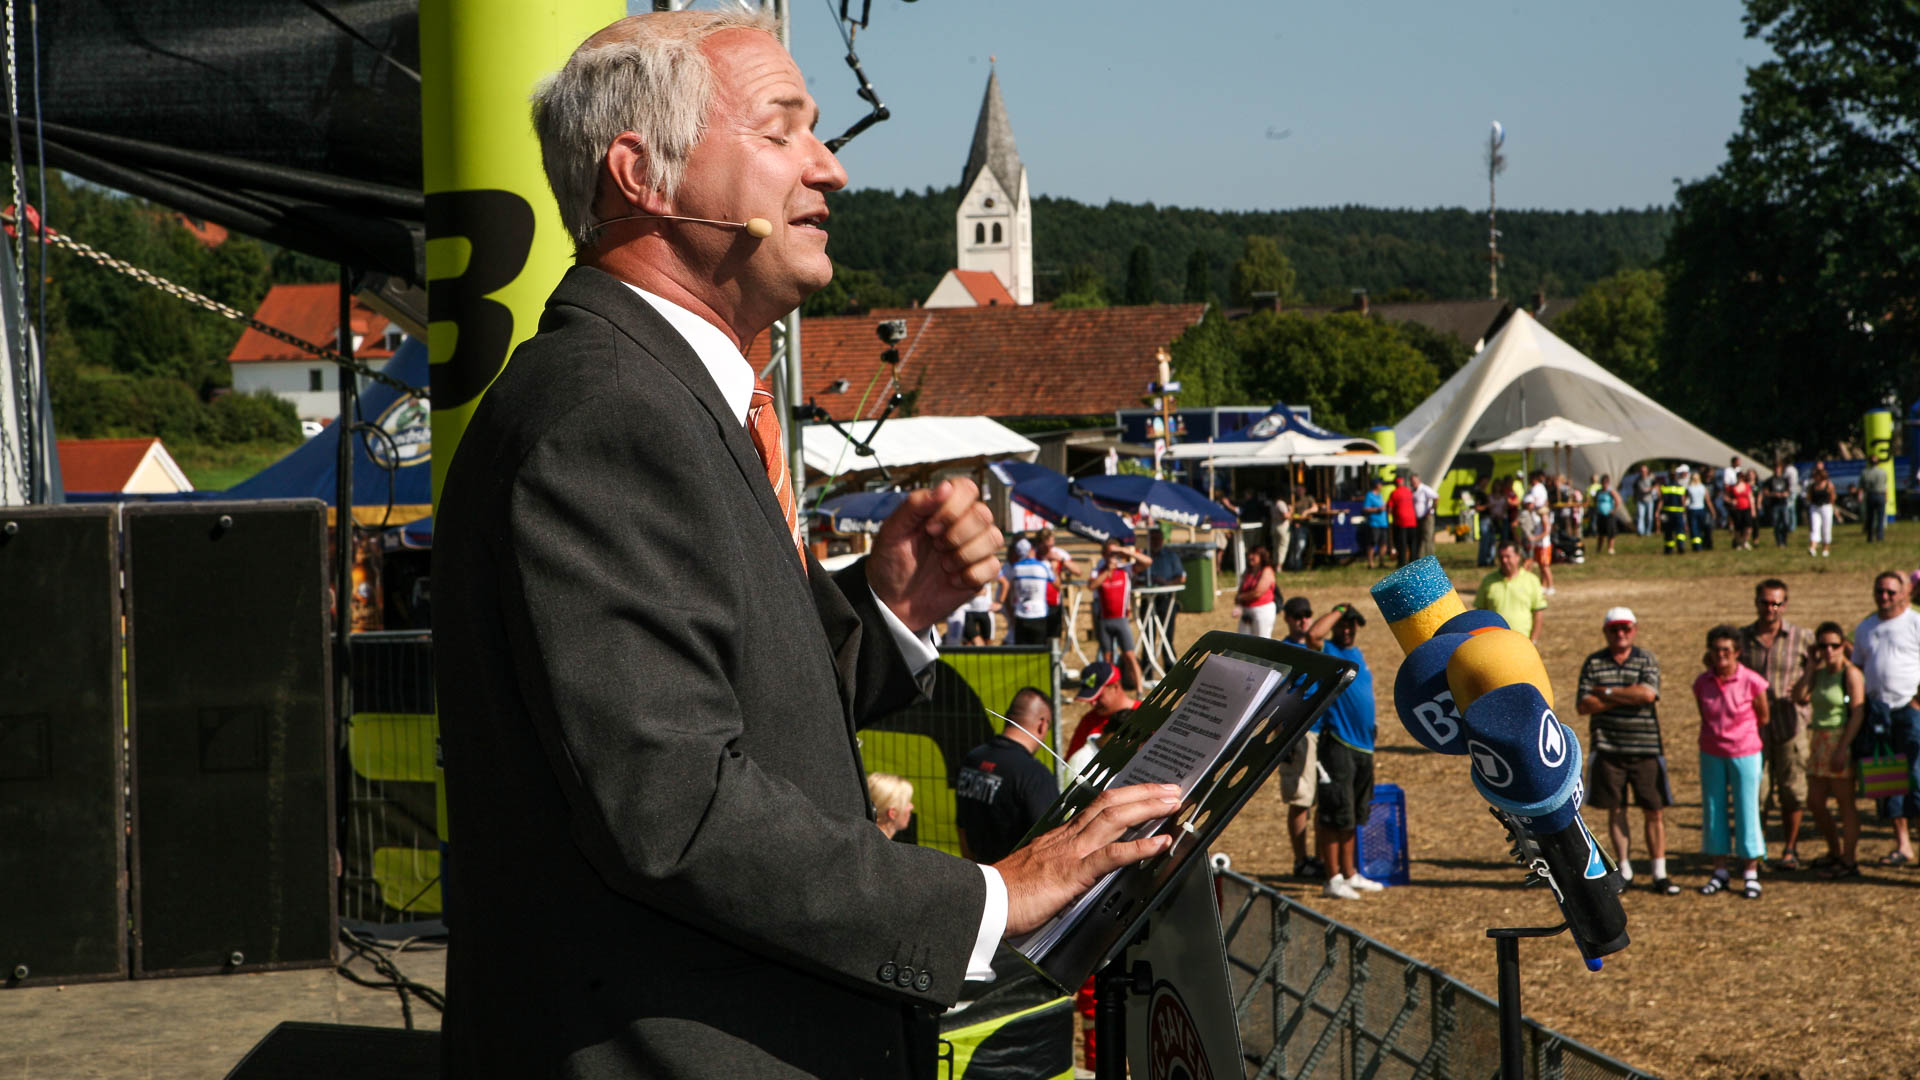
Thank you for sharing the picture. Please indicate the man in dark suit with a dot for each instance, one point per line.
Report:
(662, 860)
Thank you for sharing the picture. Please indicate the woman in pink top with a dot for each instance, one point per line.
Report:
(1733, 712)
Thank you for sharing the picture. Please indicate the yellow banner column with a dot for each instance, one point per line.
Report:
(1877, 427)
(495, 247)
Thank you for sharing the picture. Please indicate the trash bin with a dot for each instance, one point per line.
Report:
(1197, 559)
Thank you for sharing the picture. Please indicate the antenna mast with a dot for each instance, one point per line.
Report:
(1496, 164)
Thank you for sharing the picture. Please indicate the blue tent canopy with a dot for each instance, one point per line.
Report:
(1280, 420)
(392, 473)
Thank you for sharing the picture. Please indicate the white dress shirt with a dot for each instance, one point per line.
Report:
(734, 376)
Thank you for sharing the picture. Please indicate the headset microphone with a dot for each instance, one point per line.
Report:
(757, 227)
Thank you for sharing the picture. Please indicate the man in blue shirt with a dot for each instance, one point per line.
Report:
(1346, 767)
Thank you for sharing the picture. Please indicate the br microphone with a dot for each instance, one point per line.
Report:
(757, 227)
(1526, 763)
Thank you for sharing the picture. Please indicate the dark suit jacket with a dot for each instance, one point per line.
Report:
(662, 861)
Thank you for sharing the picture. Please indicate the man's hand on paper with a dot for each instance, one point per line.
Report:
(1050, 873)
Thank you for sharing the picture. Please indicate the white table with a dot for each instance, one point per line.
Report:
(1156, 627)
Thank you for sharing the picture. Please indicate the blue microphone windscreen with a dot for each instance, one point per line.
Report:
(1521, 751)
(1423, 699)
(1415, 600)
(1472, 619)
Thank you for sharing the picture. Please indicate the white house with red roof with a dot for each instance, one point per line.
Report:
(130, 466)
(970, 288)
(312, 313)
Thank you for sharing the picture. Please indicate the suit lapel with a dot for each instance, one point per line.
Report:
(608, 297)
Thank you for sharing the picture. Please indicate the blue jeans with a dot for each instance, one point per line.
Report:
(1643, 517)
(1731, 783)
(1700, 526)
(1873, 516)
(1904, 725)
(1488, 537)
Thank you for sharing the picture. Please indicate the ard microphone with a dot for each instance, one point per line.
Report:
(757, 227)
(1526, 764)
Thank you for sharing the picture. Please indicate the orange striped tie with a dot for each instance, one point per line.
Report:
(763, 422)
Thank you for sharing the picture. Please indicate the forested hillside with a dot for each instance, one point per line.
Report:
(906, 240)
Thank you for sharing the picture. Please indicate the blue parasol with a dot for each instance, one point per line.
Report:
(1164, 500)
(862, 511)
(1051, 496)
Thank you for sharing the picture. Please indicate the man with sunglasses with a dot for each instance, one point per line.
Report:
(1777, 649)
(1886, 645)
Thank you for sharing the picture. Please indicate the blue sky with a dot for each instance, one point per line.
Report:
(1387, 102)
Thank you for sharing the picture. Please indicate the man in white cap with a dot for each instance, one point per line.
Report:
(1620, 690)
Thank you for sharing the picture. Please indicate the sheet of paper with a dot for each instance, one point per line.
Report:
(1224, 697)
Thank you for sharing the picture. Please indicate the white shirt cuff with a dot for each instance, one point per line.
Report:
(993, 924)
(916, 649)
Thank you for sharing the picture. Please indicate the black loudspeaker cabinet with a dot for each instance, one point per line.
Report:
(228, 642)
(63, 832)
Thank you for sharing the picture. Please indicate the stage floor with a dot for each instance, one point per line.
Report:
(199, 1027)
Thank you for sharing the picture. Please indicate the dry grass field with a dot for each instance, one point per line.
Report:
(1814, 980)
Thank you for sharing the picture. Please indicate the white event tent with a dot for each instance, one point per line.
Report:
(913, 443)
(1525, 375)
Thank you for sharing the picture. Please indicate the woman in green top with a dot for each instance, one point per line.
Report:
(1837, 690)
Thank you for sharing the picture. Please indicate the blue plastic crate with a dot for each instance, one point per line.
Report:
(1383, 839)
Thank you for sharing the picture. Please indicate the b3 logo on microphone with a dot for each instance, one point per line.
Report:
(1493, 768)
(1553, 740)
(1439, 717)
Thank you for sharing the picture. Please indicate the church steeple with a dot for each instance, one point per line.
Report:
(993, 142)
(993, 225)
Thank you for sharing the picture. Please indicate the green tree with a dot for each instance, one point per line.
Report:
(1790, 271)
(1140, 275)
(1084, 287)
(1199, 277)
(1206, 360)
(1445, 352)
(1262, 267)
(1354, 370)
(1620, 322)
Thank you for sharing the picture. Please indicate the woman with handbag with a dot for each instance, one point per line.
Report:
(1257, 598)
(1837, 692)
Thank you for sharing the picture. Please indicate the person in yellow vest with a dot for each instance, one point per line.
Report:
(1673, 509)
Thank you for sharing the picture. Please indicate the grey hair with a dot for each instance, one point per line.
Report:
(646, 74)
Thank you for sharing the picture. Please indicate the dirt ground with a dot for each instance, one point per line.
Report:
(1814, 980)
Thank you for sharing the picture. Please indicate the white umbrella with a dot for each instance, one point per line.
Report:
(1547, 434)
(1555, 433)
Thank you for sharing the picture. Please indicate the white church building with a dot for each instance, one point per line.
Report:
(993, 228)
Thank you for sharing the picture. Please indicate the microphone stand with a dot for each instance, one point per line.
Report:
(861, 447)
(1506, 949)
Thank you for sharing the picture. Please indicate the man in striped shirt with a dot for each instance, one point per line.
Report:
(1620, 690)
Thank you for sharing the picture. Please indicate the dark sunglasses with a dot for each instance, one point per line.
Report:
(1831, 644)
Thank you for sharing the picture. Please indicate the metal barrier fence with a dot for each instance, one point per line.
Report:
(926, 743)
(387, 800)
(1315, 999)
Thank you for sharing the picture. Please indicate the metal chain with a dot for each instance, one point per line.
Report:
(181, 292)
(20, 353)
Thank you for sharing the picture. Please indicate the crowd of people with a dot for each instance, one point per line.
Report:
(1780, 707)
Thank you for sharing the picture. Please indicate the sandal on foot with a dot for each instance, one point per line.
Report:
(1789, 860)
(1716, 883)
(1895, 858)
(1750, 890)
(1664, 887)
(1841, 870)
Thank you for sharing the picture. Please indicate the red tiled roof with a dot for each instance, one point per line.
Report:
(985, 288)
(310, 312)
(207, 232)
(1001, 361)
(100, 464)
